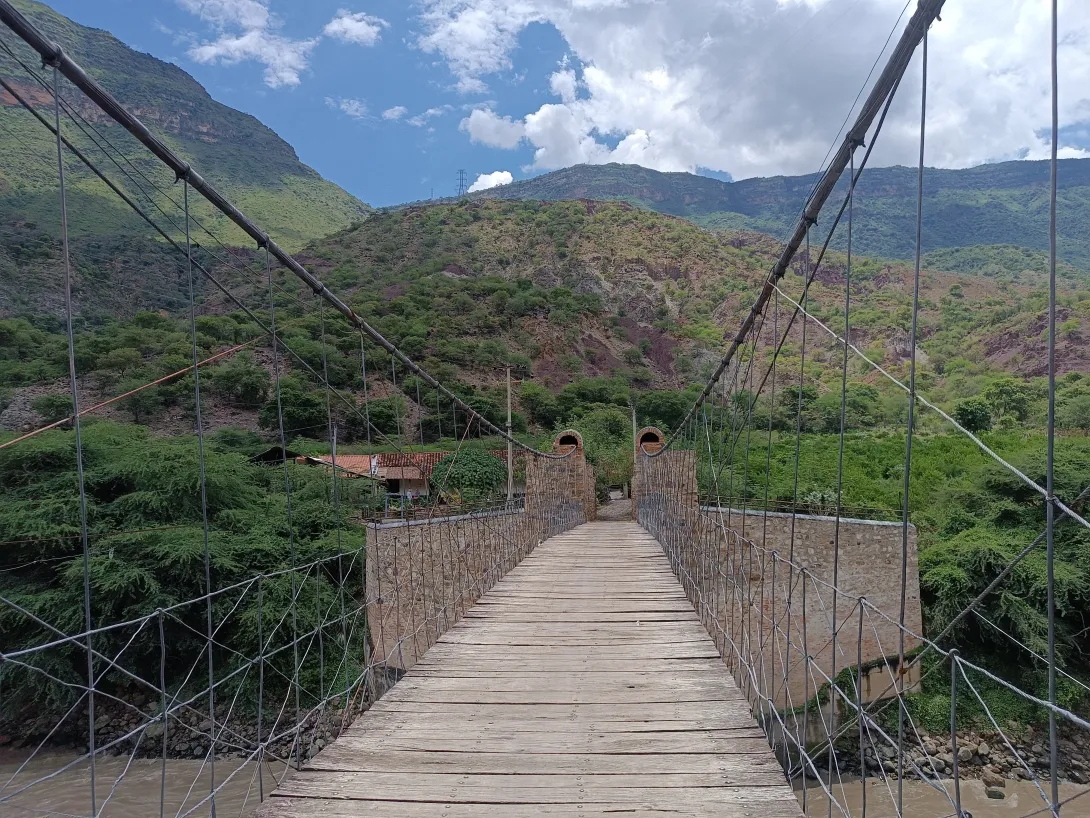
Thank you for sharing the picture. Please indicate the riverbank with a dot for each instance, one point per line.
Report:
(136, 730)
(997, 761)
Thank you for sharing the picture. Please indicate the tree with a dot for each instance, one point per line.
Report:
(1073, 411)
(304, 412)
(586, 391)
(242, 381)
(387, 416)
(861, 408)
(786, 417)
(607, 441)
(663, 408)
(1008, 398)
(142, 403)
(974, 414)
(540, 404)
(120, 360)
(52, 407)
(472, 473)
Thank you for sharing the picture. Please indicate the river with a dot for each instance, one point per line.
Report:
(923, 801)
(138, 793)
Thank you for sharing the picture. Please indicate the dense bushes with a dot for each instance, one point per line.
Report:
(472, 473)
(147, 552)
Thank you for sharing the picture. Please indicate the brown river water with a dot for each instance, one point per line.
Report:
(138, 793)
(923, 801)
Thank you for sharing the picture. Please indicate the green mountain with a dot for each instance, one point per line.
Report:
(247, 161)
(561, 291)
(997, 204)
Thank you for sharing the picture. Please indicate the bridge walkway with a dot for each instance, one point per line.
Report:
(582, 684)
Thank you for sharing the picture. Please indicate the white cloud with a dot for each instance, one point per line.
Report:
(422, 118)
(564, 84)
(484, 126)
(355, 108)
(355, 27)
(760, 87)
(247, 32)
(475, 36)
(249, 14)
(396, 112)
(494, 179)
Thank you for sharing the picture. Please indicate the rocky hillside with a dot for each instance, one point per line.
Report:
(658, 295)
(558, 290)
(253, 166)
(997, 204)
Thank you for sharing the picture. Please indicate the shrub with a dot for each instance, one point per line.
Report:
(472, 473)
(974, 414)
(52, 407)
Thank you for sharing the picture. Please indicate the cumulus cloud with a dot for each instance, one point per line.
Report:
(484, 126)
(475, 36)
(355, 108)
(761, 87)
(494, 179)
(355, 27)
(246, 31)
(564, 84)
(396, 112)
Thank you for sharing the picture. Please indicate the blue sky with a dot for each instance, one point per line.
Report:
(381, 161)
(389, 99)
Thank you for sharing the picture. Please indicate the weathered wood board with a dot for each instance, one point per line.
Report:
(582, 684)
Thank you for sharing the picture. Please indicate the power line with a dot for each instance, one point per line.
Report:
(463, 183)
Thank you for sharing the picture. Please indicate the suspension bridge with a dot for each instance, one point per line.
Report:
(716, 654)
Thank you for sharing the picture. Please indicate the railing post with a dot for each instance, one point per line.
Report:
(954, 668)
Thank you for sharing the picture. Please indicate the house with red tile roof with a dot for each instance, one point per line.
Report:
(402, 472)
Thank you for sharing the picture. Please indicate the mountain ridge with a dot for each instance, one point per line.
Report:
(260, 172)
(995, 204)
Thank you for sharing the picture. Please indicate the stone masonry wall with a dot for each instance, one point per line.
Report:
(423, 575)
(724, 558)
(868, 565)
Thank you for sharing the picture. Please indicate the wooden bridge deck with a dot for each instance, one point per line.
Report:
(581, 684)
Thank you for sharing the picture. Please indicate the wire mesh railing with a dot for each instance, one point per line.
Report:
(183, 626)
(816, 609)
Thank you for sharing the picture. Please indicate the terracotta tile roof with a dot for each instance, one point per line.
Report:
(355, 463)
(422, 462)
(401, 473)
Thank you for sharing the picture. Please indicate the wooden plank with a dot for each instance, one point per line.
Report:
(590, 713)
(417, 761)
(304, 808)
(424, 781)
(349, 787)
(719, 742)
(582, 684)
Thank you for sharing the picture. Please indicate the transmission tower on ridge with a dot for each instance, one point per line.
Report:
(463, 186)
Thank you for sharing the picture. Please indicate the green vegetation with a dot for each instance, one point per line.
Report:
(601, 307)
(472, 473)
(1007, 262)
(247, 161)
(147, 552)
